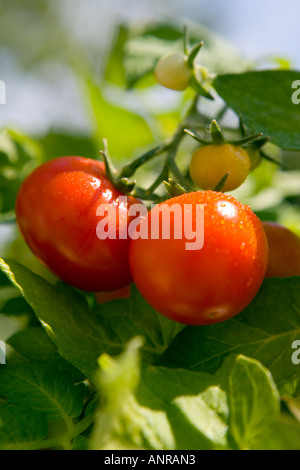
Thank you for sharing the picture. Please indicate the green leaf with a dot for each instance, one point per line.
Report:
(240, 401)
(42, 388)
(265, 331)
(167, 412)
(116, 380)
(133, 316)
(18, 156)
(263, 99)
(81, 334)
(20, 427)
(58, 144)
(253, 401)
(63, 313)
(17, 306)
(159, 408)
(114, 70)
(283, 434)
(195, 406)
(124, 130)
(34, 344)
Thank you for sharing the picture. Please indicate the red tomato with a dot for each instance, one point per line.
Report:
(284, 251)
(56, 212)
(206, 285)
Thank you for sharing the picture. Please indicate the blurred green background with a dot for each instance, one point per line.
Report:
(39, 38)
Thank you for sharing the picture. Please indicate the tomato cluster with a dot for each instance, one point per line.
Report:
(57, 207)
(203, 267)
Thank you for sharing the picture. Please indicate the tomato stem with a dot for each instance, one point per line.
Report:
(246, 140)
(185, 40)
(173, 188)
(128, 170)
(172, 148)
(121, 183)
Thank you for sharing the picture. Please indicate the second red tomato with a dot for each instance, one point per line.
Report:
(208, 284)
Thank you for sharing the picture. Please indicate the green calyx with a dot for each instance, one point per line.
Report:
(220, 186)
(174, 189)
(217, 137)
(200, 76)
(115, 177)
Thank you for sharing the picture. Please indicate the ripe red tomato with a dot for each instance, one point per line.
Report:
(56, 212)
(206, 285)
(284, 251)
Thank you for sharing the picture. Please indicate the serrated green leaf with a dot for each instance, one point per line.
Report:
(63, 313)
(21, 427)
(34, 344)
(41, 387)
(265, 331)
(81, 334)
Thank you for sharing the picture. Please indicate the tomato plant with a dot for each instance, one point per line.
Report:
(207, 285)
(284, 251)
(56, 210)
(177, 324)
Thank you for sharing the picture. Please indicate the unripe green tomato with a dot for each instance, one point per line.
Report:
(255, 157)
(172, 71)
(211, 162)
